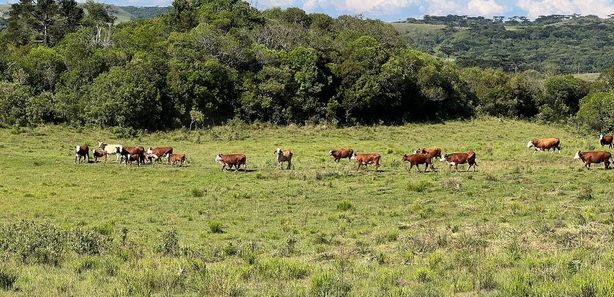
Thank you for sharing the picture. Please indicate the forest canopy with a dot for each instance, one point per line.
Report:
(224, 60)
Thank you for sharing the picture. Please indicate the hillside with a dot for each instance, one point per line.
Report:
(554, 44)
(123, 13)
(532, 224)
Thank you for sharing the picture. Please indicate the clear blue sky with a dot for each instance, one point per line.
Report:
(391, 10)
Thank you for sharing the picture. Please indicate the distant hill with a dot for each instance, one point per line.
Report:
(554, 44)
(123, 13)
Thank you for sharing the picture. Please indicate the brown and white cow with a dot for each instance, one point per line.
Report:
(433, 152)
(161, 152)
(366, 159)
(134, 157)
(545, 144)
(100, 154)
(454, 159)
(339, 154)
(231, 160)
(284, 156)
(606, 140)
(82, 151)
(417, 159)
(177, 159)
(594, 157)
(133, 150)
(115, 149)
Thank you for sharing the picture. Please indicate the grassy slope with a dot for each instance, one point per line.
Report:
(523, 223)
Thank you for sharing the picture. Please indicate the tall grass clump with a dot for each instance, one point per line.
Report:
(328, 284)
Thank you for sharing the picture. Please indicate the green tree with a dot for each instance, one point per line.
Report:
(44, 67)
(561, 97)
(597, 111)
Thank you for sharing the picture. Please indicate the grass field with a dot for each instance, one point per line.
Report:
(524, 225)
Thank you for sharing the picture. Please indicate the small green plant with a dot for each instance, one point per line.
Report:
(585, 193)
(196, 192)
(418, 186)
(170, 243)
(216, 227)
(328, 284)
(7, 280)
(344, 205)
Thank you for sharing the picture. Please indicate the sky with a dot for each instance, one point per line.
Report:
(392, 10)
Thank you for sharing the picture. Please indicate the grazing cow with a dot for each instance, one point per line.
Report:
(594, 158)
(133, 150)
(417, 159)
(99, 154)
(82, 151)
(111, 149)
(161, 152)
(231, 160)
(177, 158)
(606, 140)
(339, 154)
(545, 144)
(134, 157)
(366, 159)
(433, 152)
(152, 158)
(460, 158)
(284, 156)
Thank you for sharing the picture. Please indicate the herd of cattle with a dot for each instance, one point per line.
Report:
(424, 156)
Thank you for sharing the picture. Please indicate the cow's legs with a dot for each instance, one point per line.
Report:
(410, 166)
(607, 165)
(289, 165)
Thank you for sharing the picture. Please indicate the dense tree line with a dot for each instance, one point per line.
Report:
(556, 44)
(208, 62)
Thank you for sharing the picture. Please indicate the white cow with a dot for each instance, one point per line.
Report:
(111, 149)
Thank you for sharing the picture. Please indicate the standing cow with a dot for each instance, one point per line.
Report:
(606, 140)
(433, 152)
(131, 153)
(339, 154)
(284, 156)
(545, 144)
(461, 158)
(112, 149)
(161, 152)
(231, 160)
(417, 159)
(595, 157)
(177, 159)
(82, 151)
(100, 154)
(366, 159)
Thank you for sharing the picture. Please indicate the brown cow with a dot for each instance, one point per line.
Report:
(460, 158)
(82, 151)
(133, 150)
(366, 159)
(433, 152)
(231, 160)
(177, 158)
(99, 154)
(594, 158)
(606, 140)
(284, 156)
(417, 159)
(339, 154)
(545, 144)
(134, 157)
(161, 152)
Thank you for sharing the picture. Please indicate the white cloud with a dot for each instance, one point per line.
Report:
(535, 8)
(485, 7)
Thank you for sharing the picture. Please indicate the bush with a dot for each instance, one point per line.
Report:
(597, 111)
(7, 280)
(170, 243)
(34, 242)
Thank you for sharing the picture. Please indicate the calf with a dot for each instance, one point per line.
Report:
(152, 158)
(433, 152)
(284, 156)
(161, 152)
(99, 154)
(545, 144)
(115, 149)
(231, 160)
(177, 159)
(594, 158)
(460, 158)
(133, 150)
(366, 159)
(339, 154)
(82, 151)
(606, 140)
(134, 157)
(417, 159)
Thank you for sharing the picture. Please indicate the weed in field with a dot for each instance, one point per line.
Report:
(328, 284)
(585, 193)
(216, 227)
(418, 186)
(170, 243)
(197, 192)
(7, 279)
(344, 205)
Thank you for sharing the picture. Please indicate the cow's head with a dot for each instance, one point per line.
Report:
(444, 158)
(149, 150)
(218, 158)
(578, 155)
(601, 136)
(353, 156)
(332, 152)
(531, 144)
(278, 151)
(419, 151)
(101, 145)
(405, 157)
